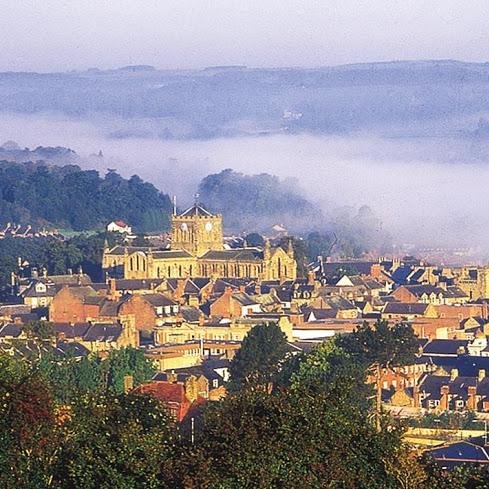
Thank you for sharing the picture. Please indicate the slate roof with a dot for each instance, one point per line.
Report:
(320, 313)
(10, 330)
(190, 314)
(405, 308)
(244, 299)
(72, 348)
(12, 309)
(160, 255)
(103, 332)
(445, 347)
(338, 302)
(120, 250)
(458, 453)
(138, 284)
(302, 346)
(71, 331)
(200, 282)
(243, 254)
(31, 291)
(401, 274)
(159, 300)
(362, 267)
(467, 365)
(110, 308)
(33, 349)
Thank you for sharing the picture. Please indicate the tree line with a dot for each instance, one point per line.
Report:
(72, 198)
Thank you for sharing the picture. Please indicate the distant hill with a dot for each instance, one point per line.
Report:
(404, 98)
(257, 202)
(68, 197)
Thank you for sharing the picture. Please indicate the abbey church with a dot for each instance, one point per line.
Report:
(197, 250)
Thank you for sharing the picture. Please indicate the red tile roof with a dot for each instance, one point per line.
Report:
(173, 395)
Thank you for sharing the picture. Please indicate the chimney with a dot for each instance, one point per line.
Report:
(482, 375)
(171, 377)
(311, 278)
(112, 290)
(128, 383)
(416, 396)
(228, 290)
(444, 393)
(453, 374)
(472, 398)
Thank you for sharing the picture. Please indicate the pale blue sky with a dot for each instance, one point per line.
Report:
(48, 35)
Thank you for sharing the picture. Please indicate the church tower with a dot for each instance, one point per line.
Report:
(197, 231)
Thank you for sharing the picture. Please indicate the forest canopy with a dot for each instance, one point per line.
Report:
(69, 197)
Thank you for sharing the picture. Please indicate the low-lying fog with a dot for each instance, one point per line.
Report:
(426, 191)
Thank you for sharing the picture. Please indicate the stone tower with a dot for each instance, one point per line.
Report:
(197, 231)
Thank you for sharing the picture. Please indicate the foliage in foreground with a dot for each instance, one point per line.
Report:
(314, 428)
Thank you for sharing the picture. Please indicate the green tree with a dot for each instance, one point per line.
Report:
(140, 240)
(254, 240)
(124, 362)
(381, 346)
(124, 441)
(258, 360)
(40, 330)
(305, 436)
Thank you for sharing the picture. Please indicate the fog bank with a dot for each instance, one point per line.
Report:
(425, 190)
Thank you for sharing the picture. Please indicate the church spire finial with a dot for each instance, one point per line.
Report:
(196, 202)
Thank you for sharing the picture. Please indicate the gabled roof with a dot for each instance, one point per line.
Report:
(319, 314)
(190, 314)
(196, 210)
(191, 288)
(103, 332)
(462, 451)
(121, 250)
(401, 274)
(244, 299)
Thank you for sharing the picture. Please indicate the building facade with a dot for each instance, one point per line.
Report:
(197, 250)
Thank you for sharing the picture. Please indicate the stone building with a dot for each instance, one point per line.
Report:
(197, 250)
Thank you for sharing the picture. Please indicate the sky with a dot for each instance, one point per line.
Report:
(57, 35)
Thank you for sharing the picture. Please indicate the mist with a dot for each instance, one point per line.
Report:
(427, 191)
